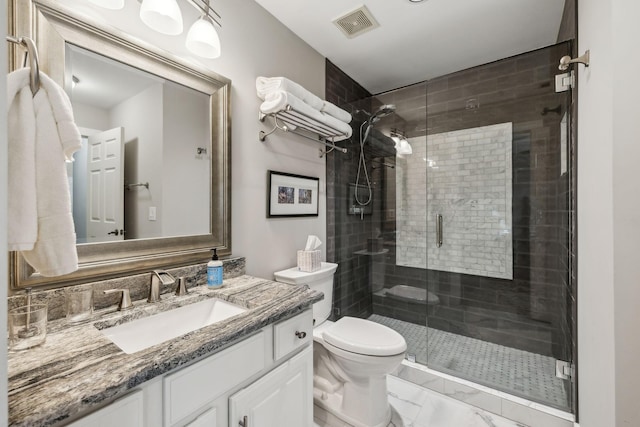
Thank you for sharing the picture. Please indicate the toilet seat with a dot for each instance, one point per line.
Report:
(364, 337)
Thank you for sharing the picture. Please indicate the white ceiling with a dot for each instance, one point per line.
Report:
(103, 82)
(420, 41)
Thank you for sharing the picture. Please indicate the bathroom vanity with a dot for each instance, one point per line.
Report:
(251, 366)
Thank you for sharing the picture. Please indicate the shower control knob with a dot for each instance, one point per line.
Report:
(301, 335)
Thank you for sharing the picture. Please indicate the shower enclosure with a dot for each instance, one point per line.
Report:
(463, 243)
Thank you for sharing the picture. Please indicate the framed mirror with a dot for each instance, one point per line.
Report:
(169, 203)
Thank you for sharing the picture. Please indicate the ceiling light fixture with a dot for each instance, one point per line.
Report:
(202, 38)
(109, 4)
(402, 146)
(163, 16)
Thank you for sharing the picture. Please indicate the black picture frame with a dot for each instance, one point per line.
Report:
(291, 195)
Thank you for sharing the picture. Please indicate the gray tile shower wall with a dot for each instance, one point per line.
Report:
(531, 312)
(347, 233)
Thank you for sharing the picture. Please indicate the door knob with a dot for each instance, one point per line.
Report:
(114, 232)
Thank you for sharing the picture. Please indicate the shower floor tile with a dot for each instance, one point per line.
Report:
(518, 372)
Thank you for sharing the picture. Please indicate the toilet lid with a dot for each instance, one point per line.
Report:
(364, 337)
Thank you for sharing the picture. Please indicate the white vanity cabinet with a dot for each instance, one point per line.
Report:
(267, 376)
(128, 411)
(204, 386)
(281, 398)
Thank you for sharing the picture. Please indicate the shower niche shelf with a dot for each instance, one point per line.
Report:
(290, 120)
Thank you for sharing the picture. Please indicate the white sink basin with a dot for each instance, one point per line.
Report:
(146, 332)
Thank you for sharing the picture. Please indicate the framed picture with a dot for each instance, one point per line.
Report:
(292, 195)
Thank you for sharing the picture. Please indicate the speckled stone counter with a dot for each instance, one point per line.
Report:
(77, 368)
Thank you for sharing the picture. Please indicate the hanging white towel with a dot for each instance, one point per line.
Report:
(22, 229)
(45, 124)
(278, 101)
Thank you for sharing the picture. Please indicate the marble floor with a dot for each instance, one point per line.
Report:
(414, 406)
(514, 371)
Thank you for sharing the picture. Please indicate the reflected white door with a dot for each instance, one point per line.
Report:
(105, 207)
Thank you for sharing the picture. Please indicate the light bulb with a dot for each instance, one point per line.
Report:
(397, 142)
(203, 39)
(164, 16)
(405, 147)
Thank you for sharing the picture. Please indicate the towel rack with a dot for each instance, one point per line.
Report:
(140, 184)
(32, 56)
(321, 133)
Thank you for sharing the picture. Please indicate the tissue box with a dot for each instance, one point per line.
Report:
(308, 261)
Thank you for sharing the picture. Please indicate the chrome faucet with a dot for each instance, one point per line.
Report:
(181, 289)
(125, 298)
(158, 277)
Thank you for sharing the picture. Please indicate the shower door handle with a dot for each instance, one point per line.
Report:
(438, 230)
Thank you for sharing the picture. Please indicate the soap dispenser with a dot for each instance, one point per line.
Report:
(214, 271)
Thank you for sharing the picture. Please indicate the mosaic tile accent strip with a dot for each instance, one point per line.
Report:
(514, 371)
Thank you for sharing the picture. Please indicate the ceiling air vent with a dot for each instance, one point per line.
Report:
(356, 22)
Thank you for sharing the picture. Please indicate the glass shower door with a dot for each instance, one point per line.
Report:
(497, 209)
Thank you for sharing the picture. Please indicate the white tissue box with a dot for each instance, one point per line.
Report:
(308, 261)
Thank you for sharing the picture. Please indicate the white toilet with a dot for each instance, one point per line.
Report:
(351, 357)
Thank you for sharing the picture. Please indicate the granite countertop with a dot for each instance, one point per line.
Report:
(77, 368)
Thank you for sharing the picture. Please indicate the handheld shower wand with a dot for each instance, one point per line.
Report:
(381, 112)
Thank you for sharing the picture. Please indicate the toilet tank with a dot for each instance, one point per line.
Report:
(320, 280)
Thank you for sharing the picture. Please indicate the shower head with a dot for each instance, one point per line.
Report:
(381, 112)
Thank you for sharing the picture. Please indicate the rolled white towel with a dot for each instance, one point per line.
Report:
(336, 112)
(267, 85)
(278, 101)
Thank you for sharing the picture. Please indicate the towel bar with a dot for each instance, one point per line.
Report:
(32, 55)
(140, 184)
(294, 121)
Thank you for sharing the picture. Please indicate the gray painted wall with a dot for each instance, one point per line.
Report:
(608, 215)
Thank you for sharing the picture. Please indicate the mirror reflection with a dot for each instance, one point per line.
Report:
(145, 156)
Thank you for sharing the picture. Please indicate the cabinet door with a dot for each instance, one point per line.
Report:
(125, 412)
(282, 398)
(189, 390)
(206, 419)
